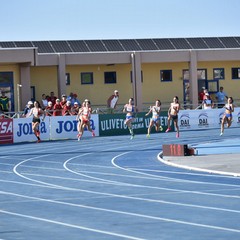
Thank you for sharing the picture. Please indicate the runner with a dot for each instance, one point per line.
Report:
(229, 109)
(84, 116)
(36, 111)
(130, 109)
(173, 115)
(155, 110)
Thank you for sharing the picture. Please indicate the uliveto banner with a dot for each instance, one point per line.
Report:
(113, 124)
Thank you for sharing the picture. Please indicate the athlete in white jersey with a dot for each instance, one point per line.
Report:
(130, 109)
(227, 117)
(155, 120)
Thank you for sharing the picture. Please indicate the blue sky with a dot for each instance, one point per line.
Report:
(26, 20)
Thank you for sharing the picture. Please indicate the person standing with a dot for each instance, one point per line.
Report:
(36, 111)
(4, 102)
(112, 102)
(155, 110)
(44, 101)
(229, 109)
(130, 109)
(173, 115)
(220, 96)
(52, 98)
(27, 109)
(49, 109)
(57, 108)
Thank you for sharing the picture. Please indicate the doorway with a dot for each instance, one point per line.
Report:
(6, 85)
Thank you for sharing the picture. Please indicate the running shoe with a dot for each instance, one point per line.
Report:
(93, 133)
(177, 135)
(168, 129)
(221, 134)
(132, 136)
(148, 136)
(79, 136)
(161, 128)
(39, 140)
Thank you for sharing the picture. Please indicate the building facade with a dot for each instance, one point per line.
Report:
(146, 69)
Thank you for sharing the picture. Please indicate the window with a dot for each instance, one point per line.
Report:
(166, 75)
(235, 73)
(202, 74)
(110, 77)
(67, 76)
(131, 76)
(86, 78)
(218, 73)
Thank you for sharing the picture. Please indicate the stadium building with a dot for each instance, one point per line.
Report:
(147, 69)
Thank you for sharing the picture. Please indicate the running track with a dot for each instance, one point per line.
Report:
(114, 188)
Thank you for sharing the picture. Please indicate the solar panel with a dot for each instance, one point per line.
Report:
(113, 45)
(23, 44)
(78, 46)
(60, 46)
(7, 45)
(163, 44)
(213, 42)
(237, 40)
(180, 43)
(147, 44)
(229, 42)
(197, 43)
(95, 45)
(130, 45)
(43, 46)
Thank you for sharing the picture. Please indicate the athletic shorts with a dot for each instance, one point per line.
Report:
(174, 117)
(35, 120)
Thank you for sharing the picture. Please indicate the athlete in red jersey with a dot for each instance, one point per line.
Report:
(84, 116)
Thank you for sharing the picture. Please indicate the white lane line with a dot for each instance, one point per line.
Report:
(196, 168)
(123, 213)
(71, 225)
(57, 187)
(180, 173)
(176, 179)
(118, 183)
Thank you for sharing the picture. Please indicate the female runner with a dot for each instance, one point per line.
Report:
(155, 110)
(229, 109)
(130, 109)
(36, 111)
(173, 115)
(84, 116)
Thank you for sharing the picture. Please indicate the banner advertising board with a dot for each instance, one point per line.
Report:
(66, 127)
(23, 130)
(6, 131)
(113, 124)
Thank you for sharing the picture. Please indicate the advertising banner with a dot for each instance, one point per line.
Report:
(205, 119)
(23, 130)
(66, 127)
(6, 131)
(113, 124)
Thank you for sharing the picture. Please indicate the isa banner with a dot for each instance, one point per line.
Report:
(113, 124)
(6, 131)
